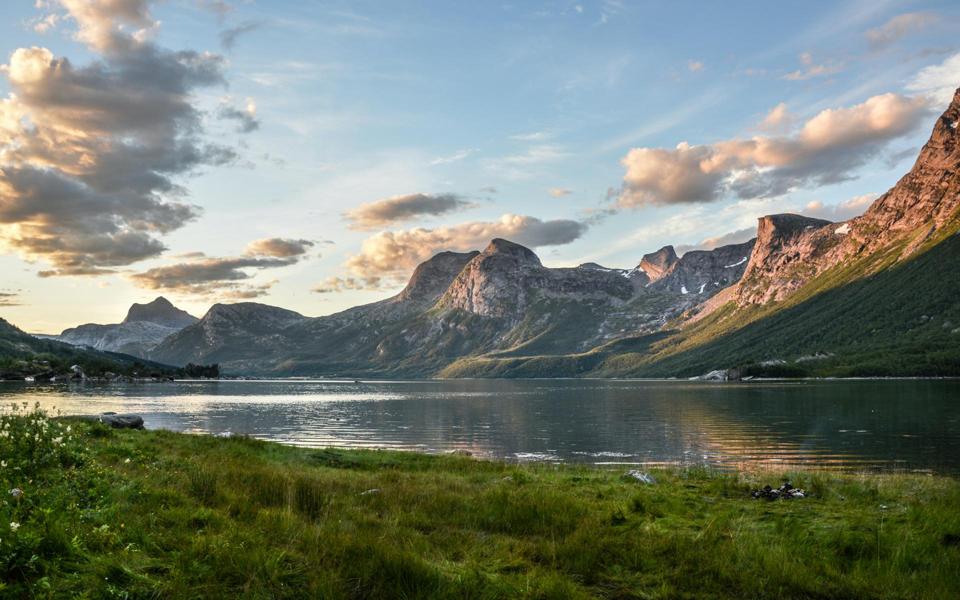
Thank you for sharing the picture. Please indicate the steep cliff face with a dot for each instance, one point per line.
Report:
(926, 198)
(657, 264)
(432, 278)
(792, 250)
(789, 250)
(504, 279)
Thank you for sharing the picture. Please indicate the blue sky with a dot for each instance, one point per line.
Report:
(526, 109)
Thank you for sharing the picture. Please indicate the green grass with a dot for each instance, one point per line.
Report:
(110, 514)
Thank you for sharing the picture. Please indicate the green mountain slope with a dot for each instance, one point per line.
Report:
(23, 355)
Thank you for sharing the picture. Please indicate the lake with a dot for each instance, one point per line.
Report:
(907, 425)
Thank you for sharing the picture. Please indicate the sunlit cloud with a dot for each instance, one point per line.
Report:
(825, 149)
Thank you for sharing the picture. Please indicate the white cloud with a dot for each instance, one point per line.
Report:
(396, 253)
(938, 81)
(825, 149)
(777, 119)
(810, 69)
(898, 27)
(89, 155)
(451, 158)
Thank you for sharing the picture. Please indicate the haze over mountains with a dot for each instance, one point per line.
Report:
(870, 295)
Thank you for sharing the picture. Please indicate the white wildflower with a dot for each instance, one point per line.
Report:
(16, 492)
(14, 526)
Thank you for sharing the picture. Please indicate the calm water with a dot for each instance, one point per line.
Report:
(858, 425)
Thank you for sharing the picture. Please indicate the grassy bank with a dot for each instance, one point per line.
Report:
(133, 514)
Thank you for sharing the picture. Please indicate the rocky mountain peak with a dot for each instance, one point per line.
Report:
(775, 230)
(780, 261)
(657, 264)
(515, 251)
(243, 312)
(161, 312)
(433, 277)
(929, 195)
(701, 273)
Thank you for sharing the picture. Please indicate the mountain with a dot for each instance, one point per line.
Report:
(145, 326)
(160, 312)
(874, 295)
(500, 301)
(237, 333)
(22, 355)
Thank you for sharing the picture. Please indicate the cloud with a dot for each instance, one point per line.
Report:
(279, 247)
(517, 166)
(9, 298)
(825, 149)
(246, 117)
(114, 26)
(205, 276)
(221, 8)
(559, 192)
(938, 81)
(841, 211)
(898, 27)
(777, 119)
(333, 285)
(229, 37)
(396, 209)
(455, 157)
(533, 136)
(734, 237)
(810, 69)
(394, 254)
(694, 66)
(89, 155)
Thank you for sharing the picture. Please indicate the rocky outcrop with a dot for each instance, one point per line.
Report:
(504, 279)
(657, 264)
(160, 312)
(432, 278)
(791, 250)
(705, 272)
(145, 327)
(785, 256)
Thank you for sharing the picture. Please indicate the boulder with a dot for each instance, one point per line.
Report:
(116, 421)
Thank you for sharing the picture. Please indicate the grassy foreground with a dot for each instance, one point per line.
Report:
(108, 514)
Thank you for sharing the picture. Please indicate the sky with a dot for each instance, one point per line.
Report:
(310, 154)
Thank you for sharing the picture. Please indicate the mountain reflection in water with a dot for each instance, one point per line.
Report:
(850, 425)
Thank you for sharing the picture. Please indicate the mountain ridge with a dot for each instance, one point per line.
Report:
(142, 329)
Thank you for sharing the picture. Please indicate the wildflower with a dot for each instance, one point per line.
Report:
(3, 464)
(57, 441)
(16, 492)
(14, 526)
(126, 461)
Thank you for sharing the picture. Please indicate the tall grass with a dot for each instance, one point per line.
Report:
(163, 515)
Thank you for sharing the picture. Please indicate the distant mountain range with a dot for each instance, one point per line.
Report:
(876, 295)
(145, 326)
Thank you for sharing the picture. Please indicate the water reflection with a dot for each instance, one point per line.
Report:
(892, 425)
